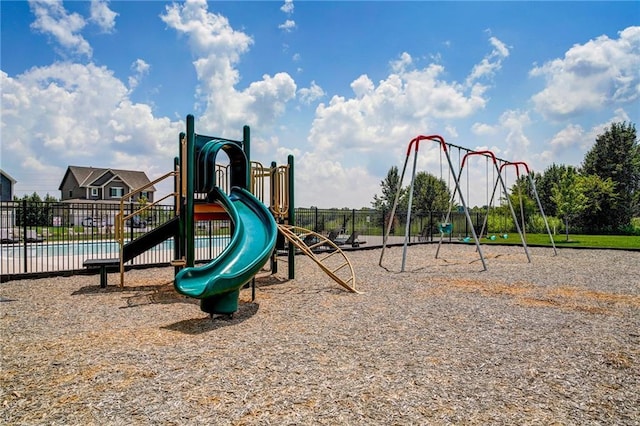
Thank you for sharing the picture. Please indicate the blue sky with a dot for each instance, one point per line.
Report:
(344, 86)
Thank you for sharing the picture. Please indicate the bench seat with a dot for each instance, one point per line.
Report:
(103, 265)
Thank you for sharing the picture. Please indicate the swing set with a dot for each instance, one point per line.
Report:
(489, 155)
(532, 184)
(445, 227)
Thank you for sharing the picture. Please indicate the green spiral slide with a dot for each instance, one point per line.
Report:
(218, 283)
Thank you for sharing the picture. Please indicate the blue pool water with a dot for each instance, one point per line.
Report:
(104, 248)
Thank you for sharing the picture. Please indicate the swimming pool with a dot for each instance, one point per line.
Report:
(61, 256)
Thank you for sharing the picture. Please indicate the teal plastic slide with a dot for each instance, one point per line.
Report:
(218, 283)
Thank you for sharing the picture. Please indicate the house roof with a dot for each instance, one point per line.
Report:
(8, 176)
(94, 176)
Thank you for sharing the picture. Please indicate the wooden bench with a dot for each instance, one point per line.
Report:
(103, 264)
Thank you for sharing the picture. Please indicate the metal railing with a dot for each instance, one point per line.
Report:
(41, 239)
(54, 238)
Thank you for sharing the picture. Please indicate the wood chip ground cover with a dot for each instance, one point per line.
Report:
(555, 341)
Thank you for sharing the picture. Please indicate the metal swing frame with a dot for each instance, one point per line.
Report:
(414, 145)
(529, 174)
(499, 180)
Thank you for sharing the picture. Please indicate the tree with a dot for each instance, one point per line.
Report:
(615, 156)
(601, 197)
(544, 184)
(635, 200)
(390, 186)
(430, 194)
(33, 211)
(568, 197)
(522, 196)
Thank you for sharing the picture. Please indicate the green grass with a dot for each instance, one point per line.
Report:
(575, 240)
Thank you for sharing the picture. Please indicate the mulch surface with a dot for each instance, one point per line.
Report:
(554, 341)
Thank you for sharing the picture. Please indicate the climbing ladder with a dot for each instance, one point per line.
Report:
(324, 252)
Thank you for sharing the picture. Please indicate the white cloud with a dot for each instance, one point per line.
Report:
(401, 64)
(362, 86)
(591, 76)
(574, 138)
(500, 49)
(514, 123)
(140, 69)
(337, 185)
(483, 129)
(491, 63)
(378, 115)
(52, 19)
(218, 48)
(364, 135)
(310, 94)
(73, 114)
(102, 16)
(288, 25)
(287, 7)
(140, 66)
(571, 135)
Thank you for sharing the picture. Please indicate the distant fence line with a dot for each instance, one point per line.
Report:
(54, 238)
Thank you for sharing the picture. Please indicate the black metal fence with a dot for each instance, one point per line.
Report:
(42, 238)
(373, 223)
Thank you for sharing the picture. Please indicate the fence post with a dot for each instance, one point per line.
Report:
(353, 221)
(131, 223)
(430, 226)
(24, 234)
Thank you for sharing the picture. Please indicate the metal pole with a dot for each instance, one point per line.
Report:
(292, 217)
(513, 214)
(486, 218)
(546, 223)
(407, 229)
(24, 233)
(451, 201)
(189, 175)
(393, 209)
(466, 213)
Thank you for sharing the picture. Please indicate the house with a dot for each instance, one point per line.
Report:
(7, 213)
(82, 184)
(6, 186)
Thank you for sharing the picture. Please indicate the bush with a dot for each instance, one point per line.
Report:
(536, 224)
(499, 224)
(633, 228)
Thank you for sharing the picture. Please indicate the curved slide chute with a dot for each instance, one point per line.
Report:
(218, 283)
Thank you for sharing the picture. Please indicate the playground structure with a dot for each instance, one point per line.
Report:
(205, 190)
(446, 227)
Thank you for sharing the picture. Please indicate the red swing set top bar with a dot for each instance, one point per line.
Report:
(516, 164)
(484, 153)
(439, 139)
(435, 138)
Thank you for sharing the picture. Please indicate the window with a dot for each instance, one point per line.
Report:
(116, 192)
(94, 192)
(71, 193)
